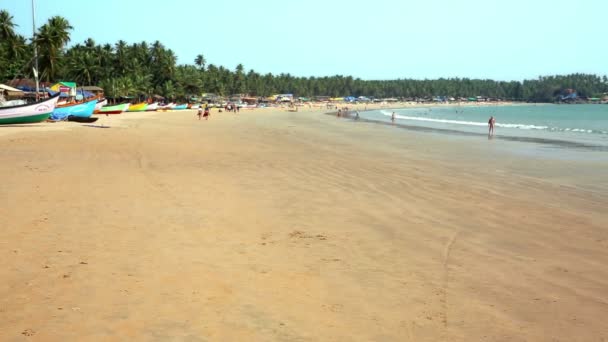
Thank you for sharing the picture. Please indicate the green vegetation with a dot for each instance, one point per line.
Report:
(143, 69)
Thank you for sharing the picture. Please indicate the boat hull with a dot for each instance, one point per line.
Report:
(152, 107)
(117, 109)
(81, 119)
(83, 110)
(139, 107)
(32, 113)
(100, 104)
(166, 107)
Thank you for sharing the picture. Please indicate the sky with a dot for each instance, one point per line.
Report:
(372, 40)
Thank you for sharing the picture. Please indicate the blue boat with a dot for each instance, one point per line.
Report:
(83, 110)
(182, 106)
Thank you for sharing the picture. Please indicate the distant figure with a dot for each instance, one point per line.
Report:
(206, 113)
(491, 123)
(339, 112)
(393, 117)
(357, 115)
(200, 112)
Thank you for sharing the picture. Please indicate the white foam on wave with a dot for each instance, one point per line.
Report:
(468, 123)
(484, 124)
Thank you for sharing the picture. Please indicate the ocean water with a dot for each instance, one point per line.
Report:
(577, 127)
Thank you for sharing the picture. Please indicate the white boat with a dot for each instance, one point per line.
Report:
(166, 107)
(12, 103)
(152, 107)
(101, 104)
(28, 113)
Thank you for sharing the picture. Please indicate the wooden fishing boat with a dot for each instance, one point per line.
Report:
(117, 109)
(84, 110)
(28, 113)
(81, 119)
(152, 107)
(101, 103)
(166, 107)
(181, 106)
(139, 107)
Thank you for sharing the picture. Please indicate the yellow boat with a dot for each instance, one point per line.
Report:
(139, 107)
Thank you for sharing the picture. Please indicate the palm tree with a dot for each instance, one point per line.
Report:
(50, 39)
(83, 66)
(168, 90)
(17, 47)
(7, 27)
(120, 61)
(200, 61)
(105, 60)
(12, 46)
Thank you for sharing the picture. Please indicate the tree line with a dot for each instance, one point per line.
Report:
(144, 69)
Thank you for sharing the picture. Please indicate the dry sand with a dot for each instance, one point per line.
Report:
(271, 225)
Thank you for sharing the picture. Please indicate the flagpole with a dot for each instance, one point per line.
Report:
(35, 48)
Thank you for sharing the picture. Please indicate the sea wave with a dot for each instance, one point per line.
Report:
(484, 124)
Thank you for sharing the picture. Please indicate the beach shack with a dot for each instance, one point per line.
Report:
(10, 96)
(67, 89)
(10, 93)
(283, 97)
(28, 86)
(97, 91)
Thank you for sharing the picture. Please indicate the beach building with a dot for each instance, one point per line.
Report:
(65, 88)
(10, 96)
(10, 93)
(97, 91)
(28, 86)
(283, 97)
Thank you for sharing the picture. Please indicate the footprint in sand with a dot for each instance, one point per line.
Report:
(297, 234)
(28, 332)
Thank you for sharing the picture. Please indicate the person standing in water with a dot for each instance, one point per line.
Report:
(491, 123)
(393, 117)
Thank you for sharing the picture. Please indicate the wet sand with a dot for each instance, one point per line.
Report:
(270, 225)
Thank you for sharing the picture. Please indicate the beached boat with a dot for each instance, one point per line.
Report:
(139, 107)
(83, 110)
(166, 107)
(181, 106)
(101, 103)
(12, 103)
(28, 113)
(152, 107)
(81, 119)
(117, 109)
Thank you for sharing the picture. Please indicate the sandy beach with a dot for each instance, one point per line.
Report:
(270, 225)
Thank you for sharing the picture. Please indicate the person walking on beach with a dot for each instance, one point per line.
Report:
(200, 112)
(491, 123)
(393, 117)
(206, 113)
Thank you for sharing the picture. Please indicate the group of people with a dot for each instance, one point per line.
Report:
(491, 122)
(342, 111)
(232, 108)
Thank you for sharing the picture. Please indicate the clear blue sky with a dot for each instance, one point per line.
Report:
(383, 39)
